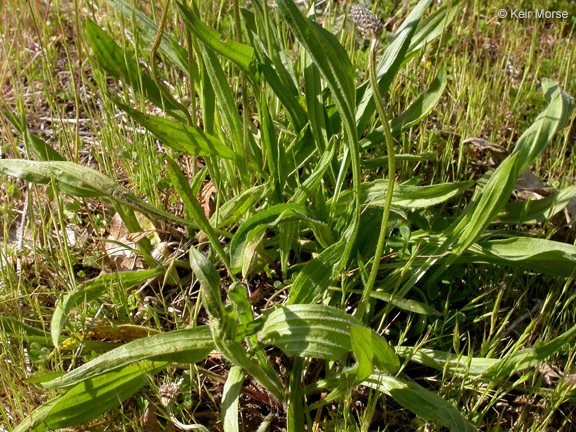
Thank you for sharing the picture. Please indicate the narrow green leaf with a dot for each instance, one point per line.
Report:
(309, 331)
(269, 218)
(95, 396)
(555, 117)
(230, 399)
(186, 346)
(94, 289)
(444, 361)
(124, 67)
(169, 46)
(390, 63)
(544, 256)
(308, 187)
(408, 196)
(180, 183)
(179, 136)
(81, 181)
(40, 148)
(316, 276)
(210, 283)
(16, 328)
(422, 402)
(540, 210)
(240, 206)
(242, 55)
(417, 111)
(528, 357)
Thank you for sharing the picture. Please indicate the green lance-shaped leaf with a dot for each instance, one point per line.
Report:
(406, 196)
(210, 283)
(90, 398)
(489, 198)
(528, 357)
(240, 54)
(540, 210)
(169, 45)
(122, 66)
(309, 331)
(193, 207)
(447, 362)
(77, 180)
(94, 289)
(422, 402)
(17, 329)
(268, 218)
(179, 136)
(417, 111)
(335, 66)
(185, 346)
(371, 350)
(541, 255)
(40, 148)
(316, 276)
(390, 64)
(230, 399)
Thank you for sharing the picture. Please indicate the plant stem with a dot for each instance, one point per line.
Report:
(391, 173)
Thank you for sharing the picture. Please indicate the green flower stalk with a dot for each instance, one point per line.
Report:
(371, 27)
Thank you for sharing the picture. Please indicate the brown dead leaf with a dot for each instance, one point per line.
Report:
(120, 249)
(207, 198)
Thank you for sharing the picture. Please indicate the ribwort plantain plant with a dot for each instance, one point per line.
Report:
(284, 133)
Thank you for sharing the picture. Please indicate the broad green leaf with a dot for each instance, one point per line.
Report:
(528, 357)
(169, 45)
(81, 181)
(179, 136)
(534, 211)
(360, 338)
(210, 283)
(239, 207)
(94, 289)
(269, 218)
(185, 346)
(240, 54)
(309, 331)
(422, 402)
(544, 256)
(444, 361)
(316, 276)
(555, 117)
(94, 396)
(230, 399)
(124, 67)
(374, 194)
